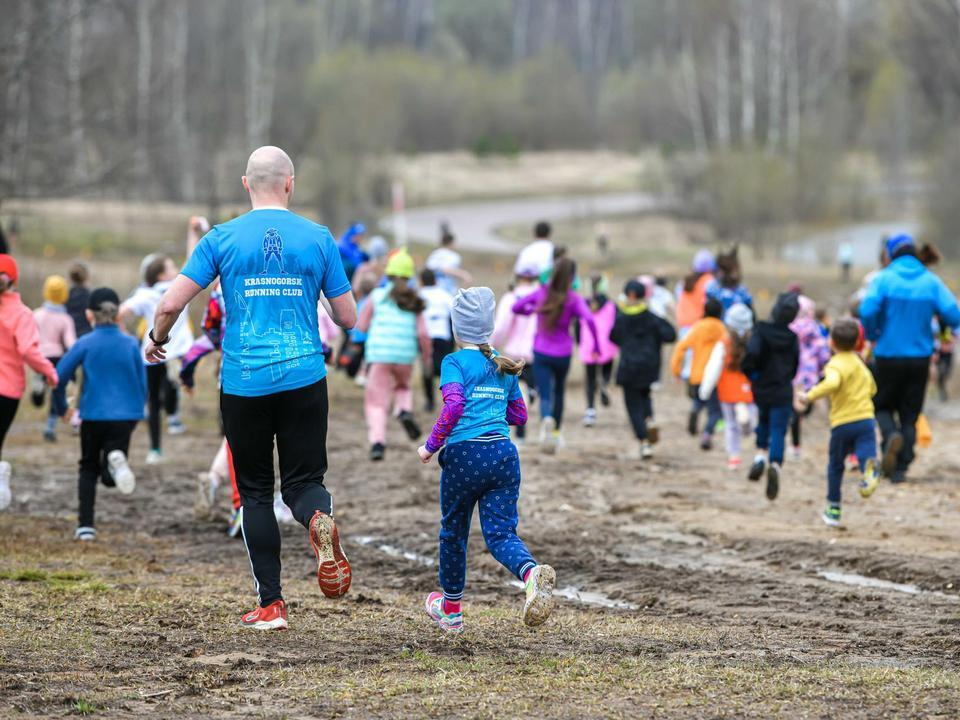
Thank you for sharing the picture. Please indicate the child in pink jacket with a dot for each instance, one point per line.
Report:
(19, 344)
(58, 333)
(598, 367)
(514, 333)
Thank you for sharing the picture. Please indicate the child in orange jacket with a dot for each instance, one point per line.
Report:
(724, 374)
(701, 339)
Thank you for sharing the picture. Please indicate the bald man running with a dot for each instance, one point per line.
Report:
(274, 266)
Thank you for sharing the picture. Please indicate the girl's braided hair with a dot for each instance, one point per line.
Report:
(505, 365)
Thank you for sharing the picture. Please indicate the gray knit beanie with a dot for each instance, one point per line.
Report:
(472, 315)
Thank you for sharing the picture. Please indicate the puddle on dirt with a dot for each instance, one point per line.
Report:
(586, 597)
(569, 592)
(393, 550)
(863, 581)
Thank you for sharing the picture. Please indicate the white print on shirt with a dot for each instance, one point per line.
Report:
(290, 341)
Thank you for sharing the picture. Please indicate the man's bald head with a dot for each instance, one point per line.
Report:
(269, 174)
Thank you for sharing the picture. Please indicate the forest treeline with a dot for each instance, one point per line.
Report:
(162, 99)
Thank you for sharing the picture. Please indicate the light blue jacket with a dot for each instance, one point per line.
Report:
(899, 306)
(392, 337)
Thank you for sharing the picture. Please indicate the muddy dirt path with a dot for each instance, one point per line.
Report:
(679, 544)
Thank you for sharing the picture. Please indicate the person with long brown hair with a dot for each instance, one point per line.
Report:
(556, 305)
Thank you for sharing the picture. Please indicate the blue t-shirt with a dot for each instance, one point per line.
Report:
(273, 265)
(487, 393)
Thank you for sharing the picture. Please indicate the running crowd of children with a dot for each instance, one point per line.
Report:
(744, 375)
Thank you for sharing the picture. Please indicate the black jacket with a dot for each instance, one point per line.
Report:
(640, 337)
(773, 354)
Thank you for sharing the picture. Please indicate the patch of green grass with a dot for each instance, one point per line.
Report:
(60, 580)
(82, 706)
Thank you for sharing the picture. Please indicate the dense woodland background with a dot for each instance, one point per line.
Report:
(765, 111)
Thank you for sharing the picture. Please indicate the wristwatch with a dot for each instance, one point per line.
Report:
(158, 343)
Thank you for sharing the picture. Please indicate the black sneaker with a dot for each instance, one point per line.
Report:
(409, 424)
(773, 481)
(890, 456)
(706, 442)
(604, 397)
(50, 436)
(898, 476)
(756, 470)
(692, 424)
(377, 452)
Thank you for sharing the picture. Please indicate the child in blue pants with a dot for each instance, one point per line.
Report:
(480, 465)
(771, 360)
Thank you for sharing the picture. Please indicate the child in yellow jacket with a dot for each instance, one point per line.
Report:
(850, 386)
(701, 339)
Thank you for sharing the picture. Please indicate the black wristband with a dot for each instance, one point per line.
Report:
(158, 343)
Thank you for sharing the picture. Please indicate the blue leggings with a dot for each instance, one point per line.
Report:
(858, 437)
(484, 472)
(772, 429)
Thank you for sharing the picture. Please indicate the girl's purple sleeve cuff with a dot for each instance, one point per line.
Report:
(454, 403)
(517, 412)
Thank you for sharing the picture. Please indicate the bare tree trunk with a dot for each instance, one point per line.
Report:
(74, 94)
(722, 48)
(748, 89)
(774, 75)
(793, 88)
(16, 120)
(521, 24)
(585, 34)
(141, 157)
(261, 61)
(180, 99)
(691, 89)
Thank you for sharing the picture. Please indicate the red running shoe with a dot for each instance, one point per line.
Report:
(333, 569)
(271, 617)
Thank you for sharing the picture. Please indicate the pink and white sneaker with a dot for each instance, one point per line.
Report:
(449, 622)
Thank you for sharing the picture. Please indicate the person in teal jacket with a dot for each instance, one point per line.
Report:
(897, 313)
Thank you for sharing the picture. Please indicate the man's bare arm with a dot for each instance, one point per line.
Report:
(181, 291)
(343, 310)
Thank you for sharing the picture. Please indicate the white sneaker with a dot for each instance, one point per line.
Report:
(646, 450)
(539, 588)
(360, 380)
(175, 426)
(205, 497)
(590, 418)
(120, 471)
(154, 457)
(281, 511)
(547, 443)
(85, 534)
(5, 495)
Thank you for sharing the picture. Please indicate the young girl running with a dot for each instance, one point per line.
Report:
(814, 355)
(700, 341)
(480, 466)
(556, 305)
(515, 333)
(57, 335)
(724, 374)
(394, 323)
(19, 345)
(599, 368)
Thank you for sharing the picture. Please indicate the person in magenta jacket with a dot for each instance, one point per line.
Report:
(599, 368)
(556, 305)
(19, 345)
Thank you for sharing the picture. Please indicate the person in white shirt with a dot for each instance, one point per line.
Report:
(158, 274)
(446, 263)
(437, 315)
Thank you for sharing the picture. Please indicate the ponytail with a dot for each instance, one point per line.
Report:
(505, 365)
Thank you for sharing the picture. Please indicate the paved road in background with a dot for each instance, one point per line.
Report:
(476, 223)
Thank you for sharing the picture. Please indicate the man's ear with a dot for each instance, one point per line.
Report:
(245, 183)
(89, 314)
